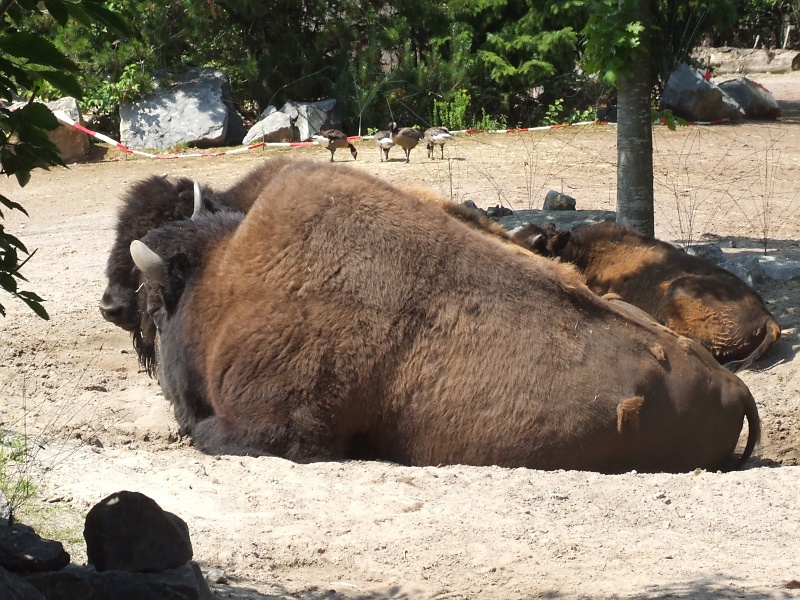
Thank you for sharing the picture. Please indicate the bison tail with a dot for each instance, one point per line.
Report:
(772, 332)
(753, 431)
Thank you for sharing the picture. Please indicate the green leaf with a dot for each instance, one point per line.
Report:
(23, 177)
(8, 283)
(35, 49)
(63, 81)
(34, 302)
(38, 115)
(58, 11)
(9, 241)
(107, 17)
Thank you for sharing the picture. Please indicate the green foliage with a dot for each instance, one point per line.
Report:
(554, 112)
(15, 457)
(678, 26)
(487, 122)
(761, 23)
(612, 40)
(452, 114)
(105, 97)
(29, 64)
(666, 117)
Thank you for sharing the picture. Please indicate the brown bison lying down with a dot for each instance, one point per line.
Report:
(685, 293)
(343, 317)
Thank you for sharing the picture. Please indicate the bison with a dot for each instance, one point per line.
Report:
(342, 317)
(149, 204)
(685, 293)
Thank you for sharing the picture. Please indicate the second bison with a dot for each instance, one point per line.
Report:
(685, 293)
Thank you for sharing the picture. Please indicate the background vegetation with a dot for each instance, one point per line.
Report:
(513, 61)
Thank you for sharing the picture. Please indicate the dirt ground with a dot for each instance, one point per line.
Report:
(378, 530)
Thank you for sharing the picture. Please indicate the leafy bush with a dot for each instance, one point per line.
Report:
(452, 114)
(30, 64)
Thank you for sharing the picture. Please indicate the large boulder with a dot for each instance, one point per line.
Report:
(23, 551)
(127, 531)
(295, 122)
(194, 108)
(691, 97)
(16, 588)
(561, 219)
(275, 126)
(756, 100)
(557, 201)
(80, 583)
(72, 143)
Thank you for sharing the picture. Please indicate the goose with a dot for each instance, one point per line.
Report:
(383, 139)
(405, 137)
(437, 136)
(333, 139)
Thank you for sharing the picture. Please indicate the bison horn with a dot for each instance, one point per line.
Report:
(148, 262)
(199, 207)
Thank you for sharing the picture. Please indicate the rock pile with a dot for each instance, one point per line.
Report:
(136, 551)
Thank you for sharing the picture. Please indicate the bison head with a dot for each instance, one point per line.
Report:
(149, 204)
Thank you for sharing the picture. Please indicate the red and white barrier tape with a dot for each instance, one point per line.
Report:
(64, 118)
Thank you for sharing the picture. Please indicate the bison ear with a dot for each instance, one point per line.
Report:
(199, 207)
(559, 240)
(149, 262)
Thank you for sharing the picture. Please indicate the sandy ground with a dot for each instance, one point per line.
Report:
(377, 530)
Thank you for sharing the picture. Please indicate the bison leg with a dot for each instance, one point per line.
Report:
(300, 439)
(209, 438)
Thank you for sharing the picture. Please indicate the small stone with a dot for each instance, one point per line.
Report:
(557, 201)
(216, 576)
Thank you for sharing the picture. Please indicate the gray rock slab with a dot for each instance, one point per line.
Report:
(14, 587)
(557, 201)
(746, 268)
(693, 98)
(778, 268)
(562, 219)
(713, 253)
(295, 122)
(316, 116)
(195, 108)
(756, 100)
(23, 550)
(83, 583)
(275, 127)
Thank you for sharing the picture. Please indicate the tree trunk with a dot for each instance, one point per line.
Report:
(635, 138)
